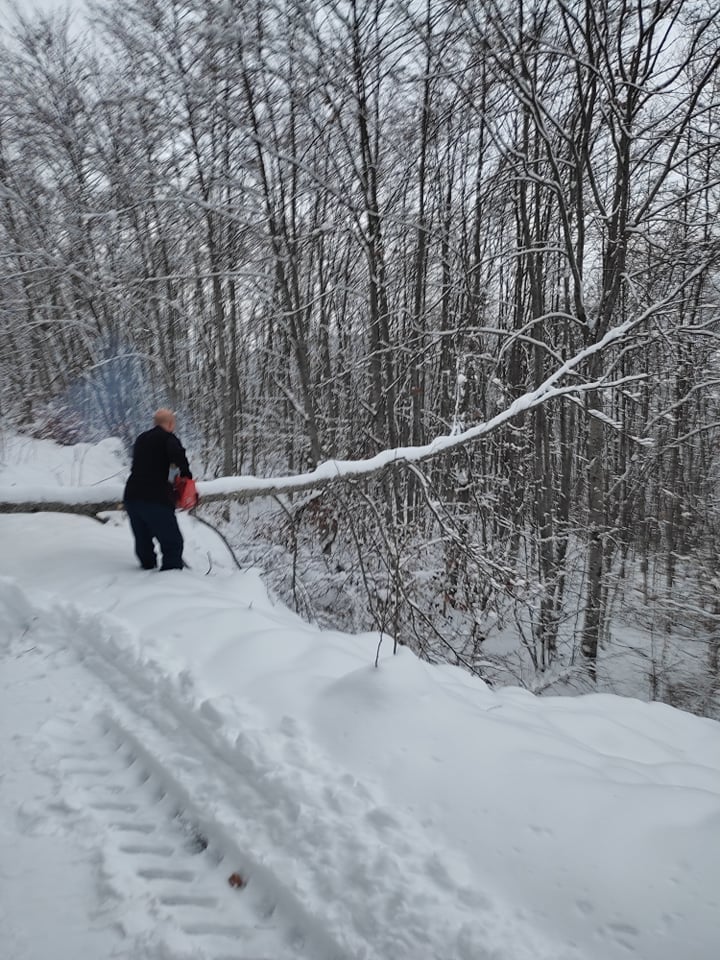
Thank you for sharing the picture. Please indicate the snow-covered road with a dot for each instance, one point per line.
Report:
(169, 803)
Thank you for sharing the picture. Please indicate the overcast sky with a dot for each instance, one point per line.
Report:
(27, 6)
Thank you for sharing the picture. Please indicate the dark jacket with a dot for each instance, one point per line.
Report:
(153, 453)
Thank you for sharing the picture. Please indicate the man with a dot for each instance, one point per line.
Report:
(158, 456)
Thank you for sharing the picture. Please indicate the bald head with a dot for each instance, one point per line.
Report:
(164, 418)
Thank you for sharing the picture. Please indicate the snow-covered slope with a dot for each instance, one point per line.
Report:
(166, 731)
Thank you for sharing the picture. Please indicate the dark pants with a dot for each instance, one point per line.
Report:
(149, 520)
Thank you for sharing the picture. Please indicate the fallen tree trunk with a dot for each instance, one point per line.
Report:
(89, 501)
(58, 506)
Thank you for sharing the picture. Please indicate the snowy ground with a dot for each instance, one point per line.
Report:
(164, 732)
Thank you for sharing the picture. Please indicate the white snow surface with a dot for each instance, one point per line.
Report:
(161, 732)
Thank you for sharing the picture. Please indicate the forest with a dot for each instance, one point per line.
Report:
(324, 229)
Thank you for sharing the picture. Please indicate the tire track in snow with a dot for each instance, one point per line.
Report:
(159, 880)
(169, 880)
